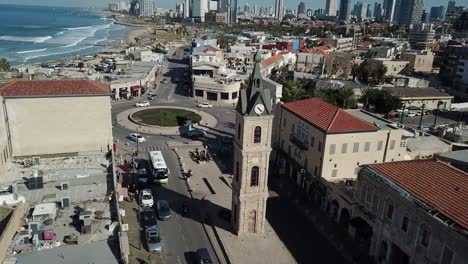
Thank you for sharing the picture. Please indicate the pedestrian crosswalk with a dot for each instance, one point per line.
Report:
(153, 148)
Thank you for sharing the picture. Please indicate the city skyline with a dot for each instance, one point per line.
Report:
(171, 4)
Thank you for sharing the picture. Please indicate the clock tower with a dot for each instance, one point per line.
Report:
(252, 148)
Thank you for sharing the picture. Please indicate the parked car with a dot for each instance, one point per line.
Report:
(454, 109)
(196, 133)
(203, 256)
(411, 114)
(148, 218)
(143, 176)
(424, 128)
(164, 81)
(205, 105)
(152, 97)
(146, 199)
(137, 137)
(153, 239)
(164, 210)
(142, 103)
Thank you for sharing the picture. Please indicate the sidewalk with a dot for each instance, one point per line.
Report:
(210, 185)
(123, 119)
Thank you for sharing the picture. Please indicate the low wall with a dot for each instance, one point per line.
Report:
(11, 228)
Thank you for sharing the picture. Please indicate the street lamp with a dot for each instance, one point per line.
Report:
(422, 114)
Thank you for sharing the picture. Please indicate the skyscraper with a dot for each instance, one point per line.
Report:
(146, 8)
(345, 8)
(233, 11)
(301, 9)
(377, 10)
(279, 9)
(390, 10)
(199, 9)
(187, 7)
(437, 13)
(451, 6)
(369, 11)
(330, 8)
(410, 12)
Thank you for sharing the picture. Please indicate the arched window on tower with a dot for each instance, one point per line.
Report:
(254, 176)
(257, 134)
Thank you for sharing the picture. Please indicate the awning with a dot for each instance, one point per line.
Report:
(136, 87)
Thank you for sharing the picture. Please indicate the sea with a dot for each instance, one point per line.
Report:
(36, 34)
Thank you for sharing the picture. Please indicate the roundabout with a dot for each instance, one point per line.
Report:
(164, 120)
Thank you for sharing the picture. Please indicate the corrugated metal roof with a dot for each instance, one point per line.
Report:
(328, 117)
(437, 184)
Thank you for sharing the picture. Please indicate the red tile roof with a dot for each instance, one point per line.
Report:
(55, 87)
(212, 48)
(437, 184)
(271, 60)
(328, 117)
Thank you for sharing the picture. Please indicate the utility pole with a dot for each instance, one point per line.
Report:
(422, 114)
(437, 112)
(402, 113)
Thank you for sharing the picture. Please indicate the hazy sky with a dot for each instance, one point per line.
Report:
(314, 4)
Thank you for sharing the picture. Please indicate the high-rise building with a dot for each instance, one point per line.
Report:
(437, 13)
(179, 9)
(410, 12)
(330, 8)
(345, 8)
(279, 9)
(451, 6)
(301, 9)
(360, 10)
(187, 8)
(421, 36)
(199, 9)
(146, 8)
(377, 10)
(369, 11)
(389, 7)
(233, 11)
(247, 9)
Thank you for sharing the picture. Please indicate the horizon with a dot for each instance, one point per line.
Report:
(169, 4)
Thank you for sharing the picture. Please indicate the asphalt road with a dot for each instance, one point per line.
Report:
(181, 235)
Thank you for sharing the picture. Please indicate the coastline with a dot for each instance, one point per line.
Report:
(132, 34)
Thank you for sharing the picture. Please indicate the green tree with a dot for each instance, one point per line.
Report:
(4, 65)
(342, 97)
(384, 101)
(293, 91)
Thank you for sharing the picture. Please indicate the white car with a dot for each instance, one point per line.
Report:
(142, 103)
(411, 114)
(146, 198)
(137, 137)
(205, 105)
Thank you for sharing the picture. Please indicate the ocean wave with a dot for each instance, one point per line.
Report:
(78, 28)
(60, 33)
(76, 42)
(31, 51)
(54, 53)
(26, 39)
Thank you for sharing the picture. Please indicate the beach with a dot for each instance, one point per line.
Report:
(132, 34)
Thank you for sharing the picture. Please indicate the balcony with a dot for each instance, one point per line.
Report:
(303, 145)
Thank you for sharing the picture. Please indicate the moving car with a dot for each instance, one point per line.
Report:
(146, 199)
(153, 240)
(142, 103)
(164, 210)
(137, 137)
(148, 218)
(143, 176)
(205, 105)
(164, 81)
(203, 256)
(196, 133)
(152, 97)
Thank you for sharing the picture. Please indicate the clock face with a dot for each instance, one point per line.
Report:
(259, 109)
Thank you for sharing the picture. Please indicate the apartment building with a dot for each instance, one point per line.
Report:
(453, 70)
(412, 212)
(421, 36)
(320, 146)
(341, 44)
(419, 61)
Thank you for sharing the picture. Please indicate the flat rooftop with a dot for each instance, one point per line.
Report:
(373, 119)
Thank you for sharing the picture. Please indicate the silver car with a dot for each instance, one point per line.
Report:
(153, 240)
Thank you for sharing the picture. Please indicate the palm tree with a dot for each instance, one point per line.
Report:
(4, 65)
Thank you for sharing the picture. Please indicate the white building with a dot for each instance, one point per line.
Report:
(199, 9)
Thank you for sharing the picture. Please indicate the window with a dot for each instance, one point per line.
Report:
(403, 143)
(199, 93)
(312, 141)
(237, 172)
(320, 146)
(389, 212)
(212, 96)
(392, 144)
(234, 95)
(292, 128)
(225, 96)
(332, 149)
(334, 173)
(424, 236)
(344, 148)
(447, 256)
(356, 147)
(257, 134)
(254, 176)
(405, 224)
(284, 122)
(368, 198)
(379, 145)
(238, 131)
(367, 147)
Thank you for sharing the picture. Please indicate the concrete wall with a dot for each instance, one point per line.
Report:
(59, 124)
(11, 228)
(418, 62)
(5, 146)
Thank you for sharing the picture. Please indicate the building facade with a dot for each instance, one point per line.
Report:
(419, 61)
(6, 150)
(345, 9)
(252, 148)
(421, 36)
(453, 69)
(279, 9)
(330, 8)
(53, 117)
(400, 217)
(216, 17)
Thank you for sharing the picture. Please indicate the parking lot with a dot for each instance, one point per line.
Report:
(444, 118)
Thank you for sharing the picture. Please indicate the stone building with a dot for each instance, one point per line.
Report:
(55, 117)
(252, 148)
(412, 212)
(419, 61)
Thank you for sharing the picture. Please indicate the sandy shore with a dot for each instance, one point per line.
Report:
(131, 35)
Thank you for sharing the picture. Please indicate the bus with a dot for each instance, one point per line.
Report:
(158, 167)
